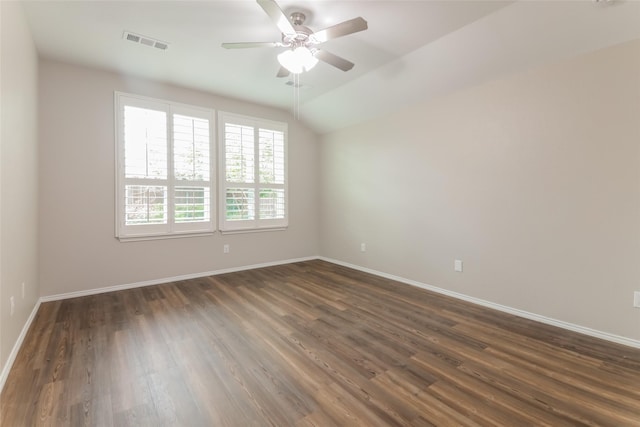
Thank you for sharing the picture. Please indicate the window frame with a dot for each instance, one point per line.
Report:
(258, 224)
(170, 229)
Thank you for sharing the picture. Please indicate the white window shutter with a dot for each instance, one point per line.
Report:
(165, 169)
(253, 173)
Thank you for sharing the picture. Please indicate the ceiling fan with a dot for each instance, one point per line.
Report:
(301, 42)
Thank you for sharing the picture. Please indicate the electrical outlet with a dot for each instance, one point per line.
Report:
(12, 303)
(457, 265)
(363, 247)
(22, 290)
(226, 249)
(636, 299)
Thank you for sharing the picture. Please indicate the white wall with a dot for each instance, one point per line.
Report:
(533, 181)
(18, 175)
(78, 250)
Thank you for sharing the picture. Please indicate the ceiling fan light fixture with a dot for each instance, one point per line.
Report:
(297, 60)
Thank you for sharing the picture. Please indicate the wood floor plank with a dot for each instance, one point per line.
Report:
(309, 344)
(580, 368)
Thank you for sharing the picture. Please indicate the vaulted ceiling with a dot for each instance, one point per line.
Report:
(412, 51)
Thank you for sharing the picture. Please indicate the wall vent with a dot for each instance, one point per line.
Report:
(147, 41)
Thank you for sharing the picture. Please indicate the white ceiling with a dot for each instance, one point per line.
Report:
(413, 50)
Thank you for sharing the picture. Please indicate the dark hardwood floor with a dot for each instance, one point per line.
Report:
(306, 344)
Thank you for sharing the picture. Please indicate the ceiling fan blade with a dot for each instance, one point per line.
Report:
(283, 72)
(334, 60)
(277, 16)
(342, 29)
(244, 45)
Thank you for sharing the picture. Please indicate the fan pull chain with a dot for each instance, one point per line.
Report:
(296, 96)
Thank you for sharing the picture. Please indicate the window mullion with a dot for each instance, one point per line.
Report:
(170, 172)
(256, 171)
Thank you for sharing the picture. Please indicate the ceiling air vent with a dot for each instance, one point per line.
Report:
(147, 41)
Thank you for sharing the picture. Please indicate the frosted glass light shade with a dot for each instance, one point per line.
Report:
(297, 60)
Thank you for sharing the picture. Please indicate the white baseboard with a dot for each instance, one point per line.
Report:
(16, 347)
(103, 290)
(527, 315)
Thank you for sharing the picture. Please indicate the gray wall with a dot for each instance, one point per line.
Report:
(533, 181)
(77, 244)
(18, 175)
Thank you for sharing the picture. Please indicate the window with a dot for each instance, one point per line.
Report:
(253, 173)
(165, 161)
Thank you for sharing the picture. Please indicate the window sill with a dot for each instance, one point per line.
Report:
(163, 236)
(252, 230)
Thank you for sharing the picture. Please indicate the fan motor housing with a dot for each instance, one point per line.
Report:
(300, 37)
